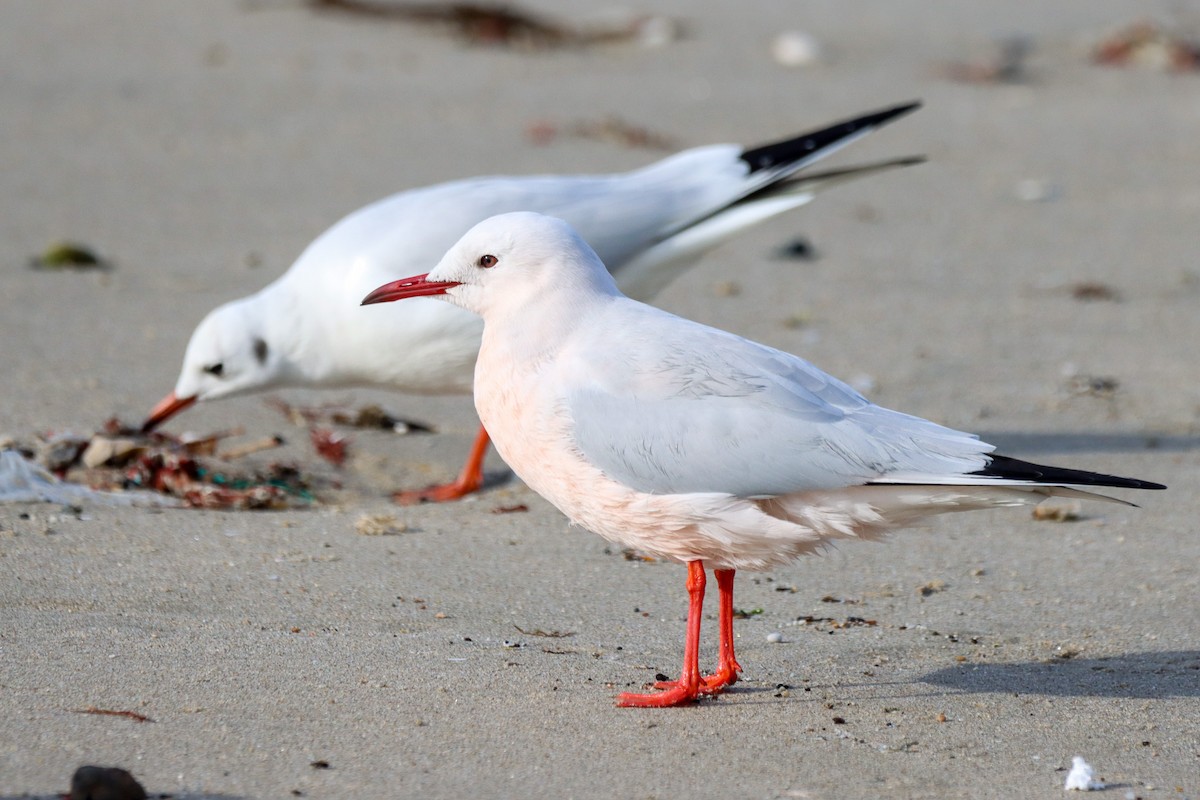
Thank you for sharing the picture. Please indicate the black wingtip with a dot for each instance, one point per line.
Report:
(776, 153)
(1015, 469)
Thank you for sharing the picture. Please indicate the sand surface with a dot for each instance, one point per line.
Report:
(199, 146)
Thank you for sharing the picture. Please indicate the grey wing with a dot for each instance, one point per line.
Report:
(710, 412)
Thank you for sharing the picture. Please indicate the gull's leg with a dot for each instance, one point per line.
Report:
(688, 687)
(467, 482)
(727, 665)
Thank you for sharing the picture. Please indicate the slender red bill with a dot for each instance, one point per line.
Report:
(168, 407)
(416, 286)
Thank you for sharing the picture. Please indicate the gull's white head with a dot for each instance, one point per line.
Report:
(229, 353)
(506, 262)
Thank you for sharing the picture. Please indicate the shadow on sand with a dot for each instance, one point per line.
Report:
(1152, 675)
(1020, 444)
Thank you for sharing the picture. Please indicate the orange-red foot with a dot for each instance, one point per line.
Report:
(676, 695)
(710, 684)
(468, 481)
(439, 493)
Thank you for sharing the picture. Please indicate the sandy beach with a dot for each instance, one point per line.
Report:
(1036, 282)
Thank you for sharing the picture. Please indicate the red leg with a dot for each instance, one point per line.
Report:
(687, 688)
(727, 665)
(467, 482)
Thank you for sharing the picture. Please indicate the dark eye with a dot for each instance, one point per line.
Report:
(488, 261)
(261, 350)
(215, 369)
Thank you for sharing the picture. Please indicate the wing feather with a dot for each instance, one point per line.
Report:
(707, 411)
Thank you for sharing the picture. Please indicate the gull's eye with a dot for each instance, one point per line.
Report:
(216, 370)
(488, 261)
(261, 350)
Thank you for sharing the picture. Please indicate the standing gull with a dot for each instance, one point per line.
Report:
(688, 442)
(306, 330)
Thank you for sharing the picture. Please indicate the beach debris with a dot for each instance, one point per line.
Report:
(107, 712)
(68, 255)
(104, 783)
(368, 417)
(1081, 777)
(1005, 66)
(23, 481)
(798, 249)
(1104, 386)
(373, 417)
(104, 451)
(200, 486)
(120, 465)
(518, 508)
(1058, 510)
(506, 25)
(796, 49)
(379, 525)
(330, 445)
(58, 452)
(320, 763)
(546, 634)
(835, 624)
(611, 129)
(1091, 291)
(932, 587)
(255, 446)
(629, 554)
(1148, 45)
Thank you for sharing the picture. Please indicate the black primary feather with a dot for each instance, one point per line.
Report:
(803, 146)
(1015, 469)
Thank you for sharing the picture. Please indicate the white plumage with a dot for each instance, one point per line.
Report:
(306, 329)
(685, 441)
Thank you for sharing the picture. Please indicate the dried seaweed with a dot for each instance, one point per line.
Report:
(1148, 44)
(1005, 66)
(611, 129)
(501, 25)
(68, 255)
(133, 715)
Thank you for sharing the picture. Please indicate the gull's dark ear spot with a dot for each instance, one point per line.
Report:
(216, 370)
(260, 350)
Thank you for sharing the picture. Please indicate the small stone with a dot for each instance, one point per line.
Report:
(656, 31)
(774, 637)
(105, 783)
(796, 49)
(1036, 190)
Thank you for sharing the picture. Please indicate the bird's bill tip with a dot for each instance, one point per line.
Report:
(168, 407)
(416, 286)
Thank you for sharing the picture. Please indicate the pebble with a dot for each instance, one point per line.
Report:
(1036, 190)
(796, 49)
(774, 637)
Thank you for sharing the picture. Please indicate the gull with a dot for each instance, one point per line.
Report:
(688, 442)
(305, 329)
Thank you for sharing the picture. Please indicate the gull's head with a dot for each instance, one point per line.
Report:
(228, 354)
(506, 262)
